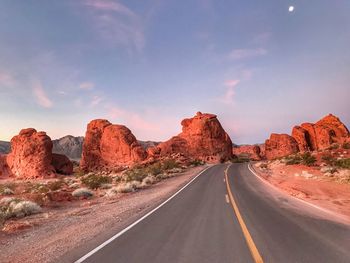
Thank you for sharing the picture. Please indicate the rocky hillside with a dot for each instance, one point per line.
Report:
(70, 146)
(5, 147)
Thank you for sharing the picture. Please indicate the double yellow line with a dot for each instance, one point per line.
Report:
(252, 247)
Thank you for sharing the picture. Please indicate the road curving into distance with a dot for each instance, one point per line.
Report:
(229, 217)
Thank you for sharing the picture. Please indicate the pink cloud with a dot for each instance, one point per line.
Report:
(148, 125)
(238, 54)
(87, 85)
(41, 98)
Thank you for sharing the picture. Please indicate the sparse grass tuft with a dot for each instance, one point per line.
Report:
(197, 162)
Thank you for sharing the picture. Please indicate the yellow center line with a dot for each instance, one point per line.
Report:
(252, 247)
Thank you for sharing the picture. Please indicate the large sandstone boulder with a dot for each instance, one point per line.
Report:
(321, 135)
(280, 145)
(31, 155)
(107, 146)
(202, 138)
(330, 130)
(251, 151)
(62, 164)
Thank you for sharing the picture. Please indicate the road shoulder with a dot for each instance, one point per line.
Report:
(76, 231)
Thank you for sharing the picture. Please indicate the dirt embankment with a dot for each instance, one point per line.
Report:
(63, 234)
(310, 183)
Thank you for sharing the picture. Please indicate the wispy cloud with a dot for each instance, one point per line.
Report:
(41, 98)
(87, 85)
(230, 91)
(238, 54)
(96, 100)
(116, 23)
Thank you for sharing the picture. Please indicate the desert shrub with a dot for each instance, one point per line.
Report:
(150, 179)
(196, 162)
(154, 169)
(308, 159)
(56, 185)
(94, 181)
(79, 172)
(334, 146)
(346, 145)
(82, 192)
(263, 166)
(125, 188)
(14, 207)
(305, 158)
(342, 163)
(328, 159)
(135, 174)
(293, 159)
(6, 191)
(36, 188)
(169, 164)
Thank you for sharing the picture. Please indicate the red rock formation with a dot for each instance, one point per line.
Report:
(31, 155)
(202, 138)
(280, 145)
(251, 151)
(108, 146)
(330, 130)
(321, 135)
(62, 164)
(303, 139)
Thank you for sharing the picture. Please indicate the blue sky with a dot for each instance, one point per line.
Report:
(149, 64)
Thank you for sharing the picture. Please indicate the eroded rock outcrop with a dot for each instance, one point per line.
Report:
(321, 135)
(280, 145)
(253, 152)
(31, 155)
(202, 138)
(107, 146)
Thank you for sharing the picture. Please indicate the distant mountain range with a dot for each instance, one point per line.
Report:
(70, 146)
(5, 147)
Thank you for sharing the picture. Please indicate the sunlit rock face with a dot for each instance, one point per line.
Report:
(202, 138)
(321, 135)
(107, 147)
(31, 155)
(280, 145)
(253, 152)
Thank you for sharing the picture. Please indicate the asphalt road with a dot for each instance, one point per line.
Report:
(200, 225)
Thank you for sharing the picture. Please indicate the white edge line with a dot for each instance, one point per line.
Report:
(80, 260)
(300, 200)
